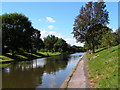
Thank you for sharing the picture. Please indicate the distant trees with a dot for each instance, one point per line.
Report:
(53, 44)
(50, 41)
(90, 23)
(60, 45)
(17, 32)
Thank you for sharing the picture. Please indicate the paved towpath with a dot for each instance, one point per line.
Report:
(79, 78)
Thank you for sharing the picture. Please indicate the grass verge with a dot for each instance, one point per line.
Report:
(103, 69)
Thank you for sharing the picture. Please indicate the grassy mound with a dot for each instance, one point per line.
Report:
(103, 68)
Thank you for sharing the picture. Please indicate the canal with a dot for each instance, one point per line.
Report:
(47, 72)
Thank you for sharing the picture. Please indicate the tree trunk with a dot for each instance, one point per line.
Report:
(93, 46)
(93, 49)
(13, 53)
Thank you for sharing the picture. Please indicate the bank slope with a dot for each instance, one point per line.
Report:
(103, 68)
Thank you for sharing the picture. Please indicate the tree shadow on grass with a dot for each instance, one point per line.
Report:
(40, 54)
(100, 50)
(28, 57)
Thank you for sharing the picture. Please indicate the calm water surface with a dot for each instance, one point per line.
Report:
(47, 72)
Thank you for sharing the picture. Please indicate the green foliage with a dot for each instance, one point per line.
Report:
(20, 38)
(49, 53)
(103, 70)
(107, 39)
(15, 29)
(60, 45)
(55, 44)
(89, 23)
(49, 42)
(17, 32)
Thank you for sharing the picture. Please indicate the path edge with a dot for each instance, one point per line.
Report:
(66, 81)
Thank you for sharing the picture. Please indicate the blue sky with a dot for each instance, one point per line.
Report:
(56, 18)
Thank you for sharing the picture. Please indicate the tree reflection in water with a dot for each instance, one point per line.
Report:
(28, 74)
(58, 63)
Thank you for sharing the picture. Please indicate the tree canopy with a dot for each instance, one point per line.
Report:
(17, 32)
(89, 23)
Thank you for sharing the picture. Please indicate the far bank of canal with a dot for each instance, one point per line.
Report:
(49, 72)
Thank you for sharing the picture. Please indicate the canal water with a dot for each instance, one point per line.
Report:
(47, 72)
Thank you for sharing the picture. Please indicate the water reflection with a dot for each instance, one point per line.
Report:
(44, 72)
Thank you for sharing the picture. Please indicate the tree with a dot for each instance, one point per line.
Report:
(17, 32)
(37, 42)
(108, 39)
(49, 42)
(118, 35)
(89, 23)
(0, 36)
(60, 45)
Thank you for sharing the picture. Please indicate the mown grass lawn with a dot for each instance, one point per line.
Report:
(49, 53)
(103, 70)
(5, 58)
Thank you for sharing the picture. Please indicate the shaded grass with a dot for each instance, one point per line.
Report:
(4, 65)
(103, 70)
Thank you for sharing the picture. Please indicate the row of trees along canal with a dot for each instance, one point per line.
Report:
(19, 36)
(91, 28)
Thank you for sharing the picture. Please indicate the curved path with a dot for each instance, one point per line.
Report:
(79, 77)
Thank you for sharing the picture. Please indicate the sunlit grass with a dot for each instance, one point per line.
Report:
(103, 70)
(4, 59)
(49, 53)
(32, 54)
(21, 56)
(9, 54)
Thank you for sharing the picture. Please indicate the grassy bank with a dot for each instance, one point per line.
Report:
(49, 53)
(103, 68)
(25, 56)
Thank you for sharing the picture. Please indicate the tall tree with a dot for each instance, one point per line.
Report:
(17, 32)
(37, 42)
(89, 23)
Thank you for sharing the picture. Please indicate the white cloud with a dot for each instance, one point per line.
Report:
(45, 33)
(40, 20)
(111, 28)
(50, 19)
(55, 33)
(70, 41)
(51, 27)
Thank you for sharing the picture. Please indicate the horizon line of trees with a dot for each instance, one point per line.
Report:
(18, 35)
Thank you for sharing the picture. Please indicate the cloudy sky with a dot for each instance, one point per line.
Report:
(56, 18)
